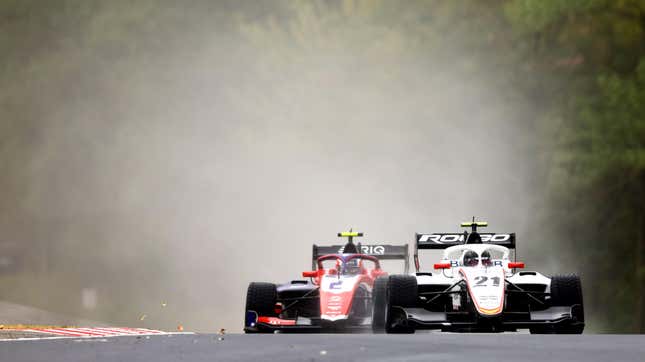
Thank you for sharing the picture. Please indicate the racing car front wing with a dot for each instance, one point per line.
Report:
(255, 323)
(420, 318)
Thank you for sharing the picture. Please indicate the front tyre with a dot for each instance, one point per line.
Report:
(379, 309)
(566, 291)
(260, 298)
(402, 293)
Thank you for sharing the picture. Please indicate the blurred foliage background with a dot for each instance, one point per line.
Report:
(577, 67)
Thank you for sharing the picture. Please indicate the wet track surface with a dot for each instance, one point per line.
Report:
(357, 347)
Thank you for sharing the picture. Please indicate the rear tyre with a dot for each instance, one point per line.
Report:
(260, 298)
(402, 292)
(379, 309)
(566, 291)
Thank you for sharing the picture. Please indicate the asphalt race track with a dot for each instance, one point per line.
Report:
(356, 347)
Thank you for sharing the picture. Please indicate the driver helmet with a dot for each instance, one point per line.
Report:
(470, 258)
(353, 266)
(486, 260)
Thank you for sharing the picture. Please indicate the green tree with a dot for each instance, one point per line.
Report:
(594, 51)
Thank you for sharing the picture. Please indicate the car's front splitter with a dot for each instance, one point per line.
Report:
(420, 318)
(255, 324)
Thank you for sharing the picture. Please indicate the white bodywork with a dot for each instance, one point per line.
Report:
(485, 281)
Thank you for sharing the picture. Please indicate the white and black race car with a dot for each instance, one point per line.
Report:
(475, 288)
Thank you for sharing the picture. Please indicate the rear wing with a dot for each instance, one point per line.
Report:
(381, 251)
(445, 240)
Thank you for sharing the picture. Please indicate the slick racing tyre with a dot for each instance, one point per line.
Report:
(261, 298)
(566, 291)
(402, 293)
(379, 308)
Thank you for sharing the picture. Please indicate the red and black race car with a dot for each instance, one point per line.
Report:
(337, 297)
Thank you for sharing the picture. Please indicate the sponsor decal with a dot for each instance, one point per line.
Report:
(456, 301)
(495, 238)
(373, 249)
(368, 249)
(489, 298)
(336, 285)
(459, 238)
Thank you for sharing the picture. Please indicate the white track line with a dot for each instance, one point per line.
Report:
(152, 331)
(89, 338)
(32, 339)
